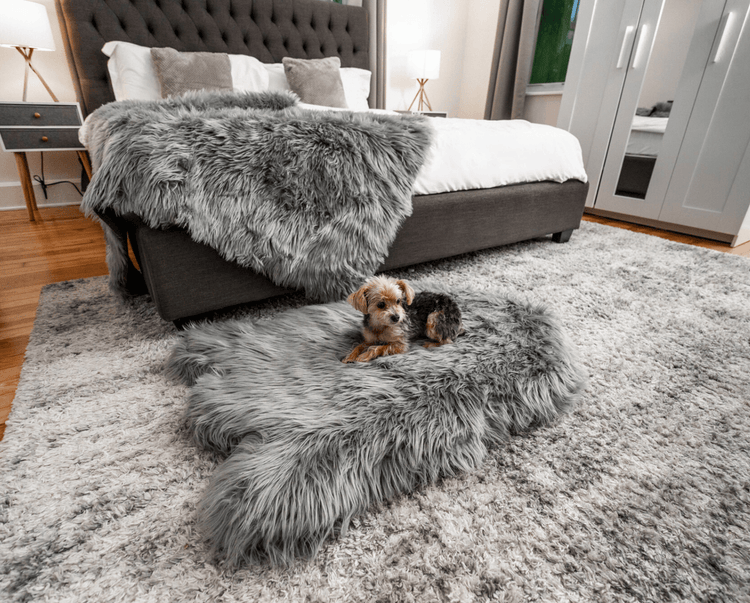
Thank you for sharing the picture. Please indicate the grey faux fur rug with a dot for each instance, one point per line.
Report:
(311, 199)
(640, 493)
(313, 442)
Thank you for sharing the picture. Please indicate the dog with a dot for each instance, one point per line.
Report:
(394, 315)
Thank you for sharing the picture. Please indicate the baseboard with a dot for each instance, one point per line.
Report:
(11, 195)
(688, 230)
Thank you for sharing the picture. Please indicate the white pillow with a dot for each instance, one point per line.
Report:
(356, 87)
(133, 75)
(131, 71)
(276, 77)
(356, 84)
(248, 73)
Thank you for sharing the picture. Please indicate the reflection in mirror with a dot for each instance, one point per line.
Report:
(657, 96)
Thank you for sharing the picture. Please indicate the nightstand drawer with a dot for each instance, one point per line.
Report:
(40, 139)
(41, 114)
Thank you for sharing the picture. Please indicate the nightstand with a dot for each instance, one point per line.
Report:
(39, 127)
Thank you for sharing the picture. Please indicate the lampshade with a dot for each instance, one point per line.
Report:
(25, 24)
(424, 64)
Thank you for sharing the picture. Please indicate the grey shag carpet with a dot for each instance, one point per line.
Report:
(314, 442)
(640, 493)
(311, 199)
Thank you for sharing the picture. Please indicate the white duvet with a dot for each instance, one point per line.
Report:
(477, 153)
(468, 154)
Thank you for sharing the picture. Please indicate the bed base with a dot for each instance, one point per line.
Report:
(187, 279)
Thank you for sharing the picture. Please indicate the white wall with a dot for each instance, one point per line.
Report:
(542, 108)
(61, 165)
(463, 31)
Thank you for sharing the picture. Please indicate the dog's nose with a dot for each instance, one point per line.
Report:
(394, 318)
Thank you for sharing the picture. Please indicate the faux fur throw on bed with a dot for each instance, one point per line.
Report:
(311, 199)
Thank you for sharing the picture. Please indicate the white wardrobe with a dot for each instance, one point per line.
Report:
(658, 94)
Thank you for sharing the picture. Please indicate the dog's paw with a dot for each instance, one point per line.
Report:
(436, 344)
(367, 356)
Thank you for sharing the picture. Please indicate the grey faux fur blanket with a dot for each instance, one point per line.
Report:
(310, 199)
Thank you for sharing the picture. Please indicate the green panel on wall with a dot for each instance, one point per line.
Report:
(554, 41)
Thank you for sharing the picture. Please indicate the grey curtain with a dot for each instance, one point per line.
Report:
(376, 10)
(517, 27)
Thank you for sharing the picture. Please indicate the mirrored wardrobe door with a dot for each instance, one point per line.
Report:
(644, 122)
(597, 71)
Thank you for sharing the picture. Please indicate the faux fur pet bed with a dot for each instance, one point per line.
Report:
(312, 442)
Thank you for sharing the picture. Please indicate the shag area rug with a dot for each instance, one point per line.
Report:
(313, 442)
(311, 199)
(640, 493)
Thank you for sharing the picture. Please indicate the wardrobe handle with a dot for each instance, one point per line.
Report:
(627, 40)
(722, 35)
(642, 36)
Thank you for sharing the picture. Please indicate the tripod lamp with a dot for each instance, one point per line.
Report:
(25, 26)
(423, 65)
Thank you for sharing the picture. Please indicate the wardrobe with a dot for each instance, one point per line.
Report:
(658, 94)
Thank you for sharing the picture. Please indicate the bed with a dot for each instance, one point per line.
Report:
(187, 278)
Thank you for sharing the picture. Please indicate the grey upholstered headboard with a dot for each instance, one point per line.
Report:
(266, 29)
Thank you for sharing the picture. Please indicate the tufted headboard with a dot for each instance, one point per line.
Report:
(266, 29)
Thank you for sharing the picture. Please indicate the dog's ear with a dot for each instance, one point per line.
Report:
(358, 299)
(408, 291)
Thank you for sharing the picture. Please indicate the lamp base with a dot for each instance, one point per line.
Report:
(26, 54)
(422, 96)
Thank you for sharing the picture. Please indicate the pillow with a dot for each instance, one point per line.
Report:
(356, 84)
(134, 77)
(316, 81)
(356, 87)
(180, 72)
(131, 71)
(248, 73)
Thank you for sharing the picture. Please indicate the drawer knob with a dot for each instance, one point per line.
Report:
(44, 139)
(37, 115)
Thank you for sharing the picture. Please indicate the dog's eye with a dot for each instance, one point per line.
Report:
(400, 301)
(381, 305)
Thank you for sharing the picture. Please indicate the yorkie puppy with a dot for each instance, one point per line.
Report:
(394, 314)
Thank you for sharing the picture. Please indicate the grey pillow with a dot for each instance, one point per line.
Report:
(316, 81)
(179, 72)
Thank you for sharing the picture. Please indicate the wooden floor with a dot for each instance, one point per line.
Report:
(63, 245)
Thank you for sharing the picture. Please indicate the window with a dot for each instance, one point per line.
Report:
(554, 41)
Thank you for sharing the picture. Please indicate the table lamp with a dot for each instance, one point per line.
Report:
(423, 65)
(25, 26)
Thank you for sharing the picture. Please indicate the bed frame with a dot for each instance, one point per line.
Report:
(186, 279)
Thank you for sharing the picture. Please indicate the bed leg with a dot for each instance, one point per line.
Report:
(562, 237)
